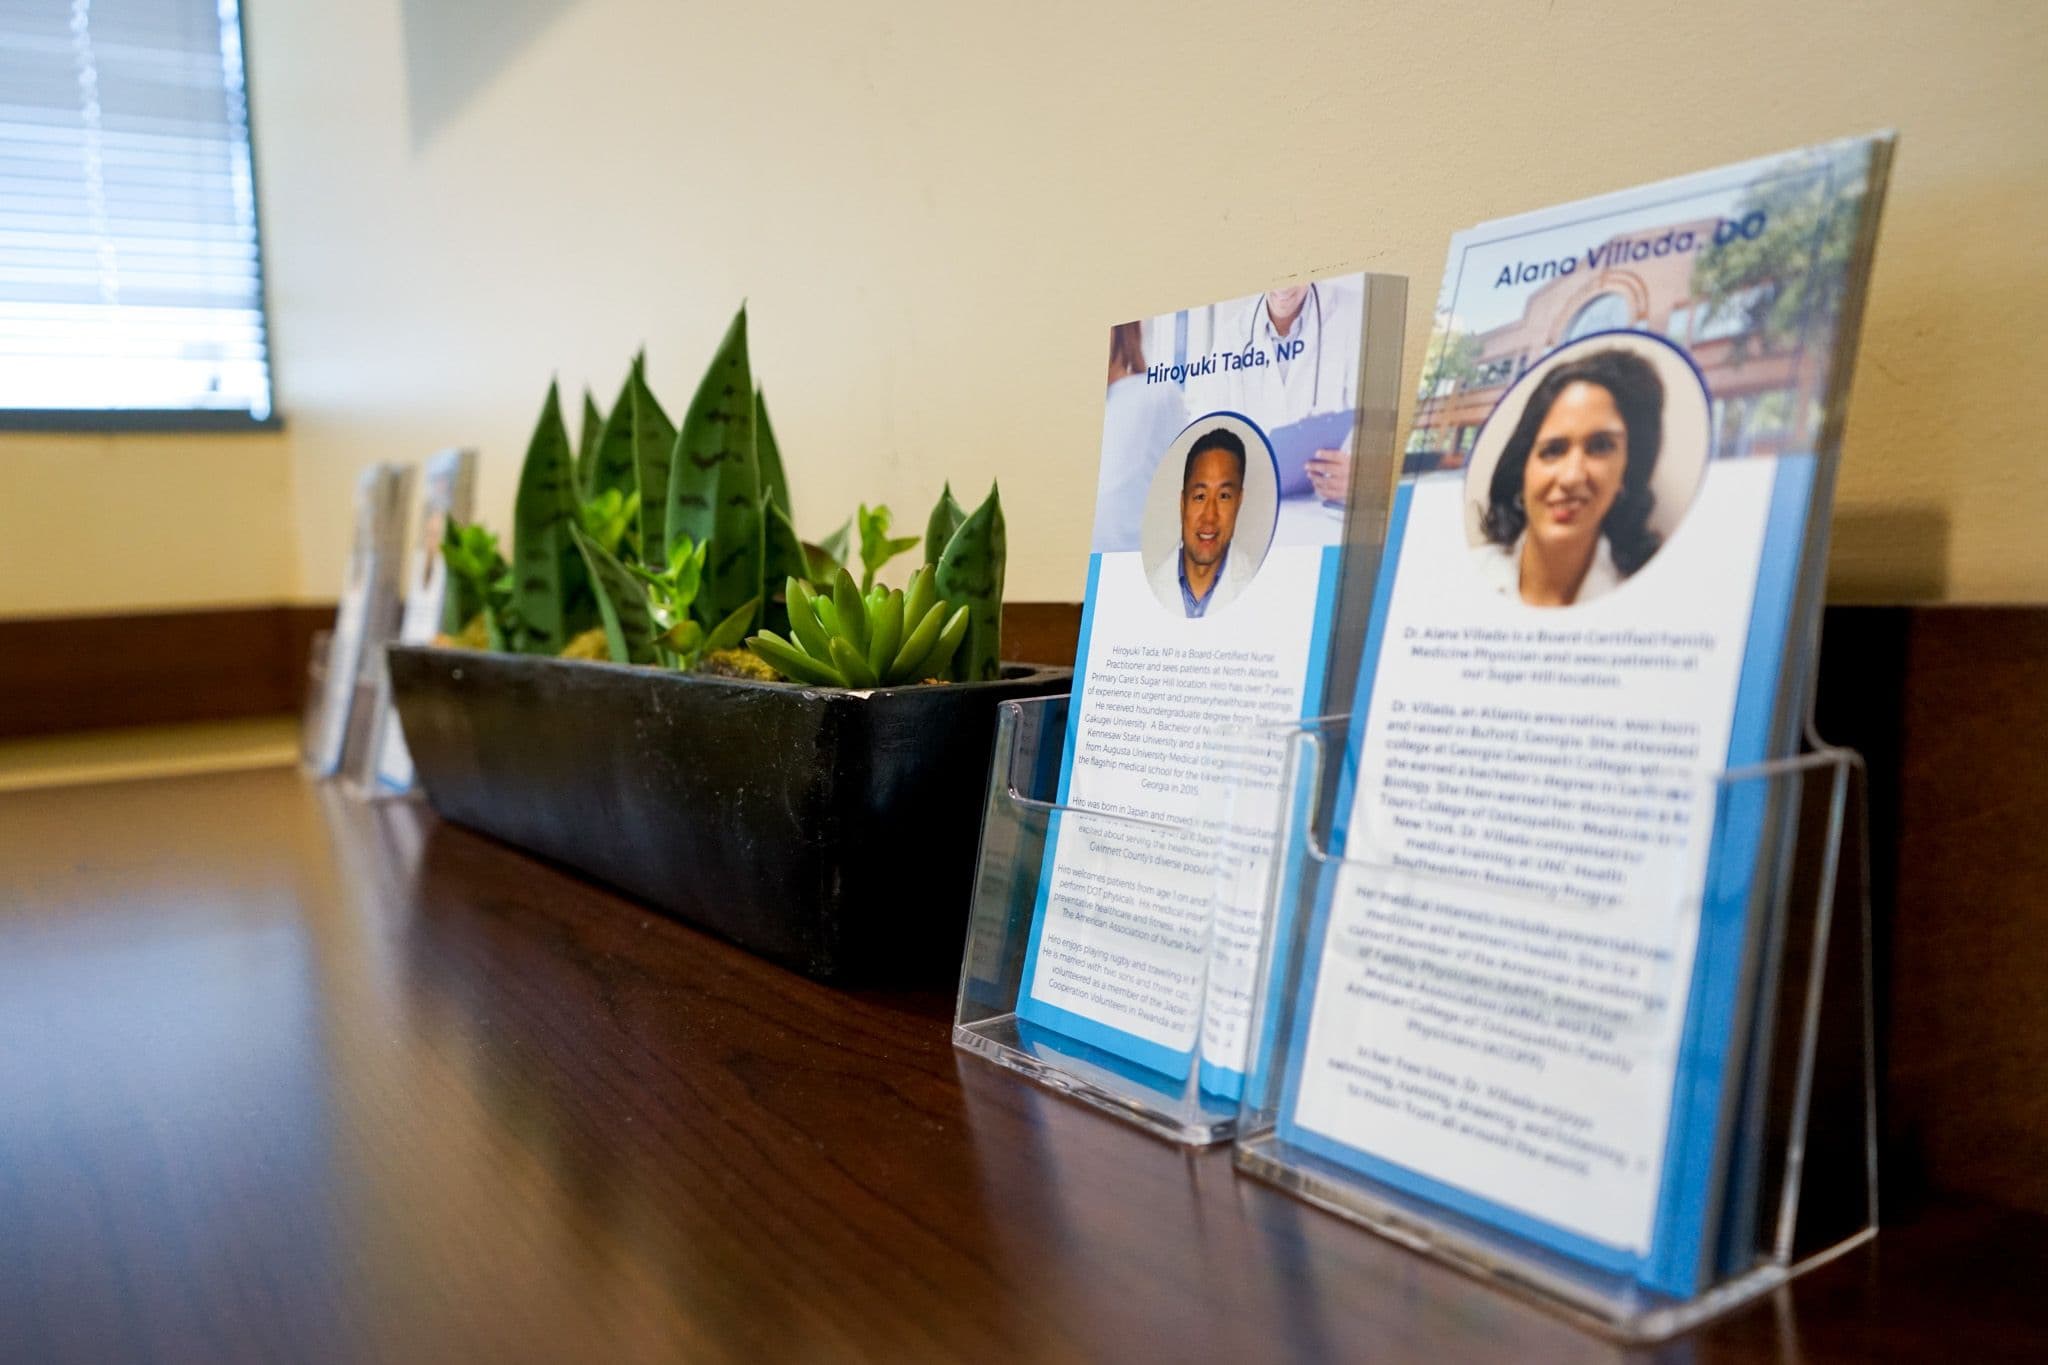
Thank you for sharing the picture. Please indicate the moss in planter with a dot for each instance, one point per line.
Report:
(591, 644)
(737, 663)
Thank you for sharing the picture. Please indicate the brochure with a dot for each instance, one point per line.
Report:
(448, 482)
(1212, 592)
(1528, 980)
(364, 618)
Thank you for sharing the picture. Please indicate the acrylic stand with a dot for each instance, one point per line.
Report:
(1803, 1184)
(1020, 816)
(364, 754)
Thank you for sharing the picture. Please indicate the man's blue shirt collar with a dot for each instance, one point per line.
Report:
(1196, 606)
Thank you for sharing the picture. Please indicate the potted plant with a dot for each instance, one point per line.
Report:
(668, 690)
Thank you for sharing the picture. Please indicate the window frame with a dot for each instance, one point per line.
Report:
(171, 421)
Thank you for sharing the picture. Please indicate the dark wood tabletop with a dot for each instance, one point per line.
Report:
(286, 1077)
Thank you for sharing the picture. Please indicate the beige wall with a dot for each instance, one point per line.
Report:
(98, 524)
(936, 210)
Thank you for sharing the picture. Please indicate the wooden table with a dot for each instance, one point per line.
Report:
(283, 1076)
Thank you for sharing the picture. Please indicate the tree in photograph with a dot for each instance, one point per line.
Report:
(1791, 273)
(1450, 363)
(1452, 358)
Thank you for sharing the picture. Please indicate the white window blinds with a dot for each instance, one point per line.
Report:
(129, 275)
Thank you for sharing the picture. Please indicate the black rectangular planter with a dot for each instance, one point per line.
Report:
(833, 832)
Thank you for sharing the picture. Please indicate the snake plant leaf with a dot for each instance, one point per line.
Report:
(971, 574)
(544, 506)
(611, 464)
(728, 633)
(785, 549)
(768, 456)
(587, 437)
(791, 662)
(940, 526)
(654, 440)
(828, 556)
(629, 628)
(714, 485)
(784, 559)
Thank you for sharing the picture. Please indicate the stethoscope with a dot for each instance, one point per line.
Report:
(1315, 295)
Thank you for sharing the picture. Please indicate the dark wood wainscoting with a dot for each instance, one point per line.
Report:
(61, 674)
(1949, 706)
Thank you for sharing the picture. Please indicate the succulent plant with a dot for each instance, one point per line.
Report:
(630, 631)
(612, 519)
(671, 543)
(880, 638)
(876, 546)
(481, 583)
(671, 594)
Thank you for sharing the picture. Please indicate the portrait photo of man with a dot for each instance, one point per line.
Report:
(1203, 574)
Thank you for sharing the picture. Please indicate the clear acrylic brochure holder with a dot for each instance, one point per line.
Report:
(1020, 818)
(1802, 1184)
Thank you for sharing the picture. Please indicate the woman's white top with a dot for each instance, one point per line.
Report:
(1501, 568)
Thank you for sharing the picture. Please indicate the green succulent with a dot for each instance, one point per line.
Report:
(482, 586)
(612, 519)
(671, 594)
(876, 546)
(667, 540)
(880, 638)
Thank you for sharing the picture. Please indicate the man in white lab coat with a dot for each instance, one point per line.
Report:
(1309, 335)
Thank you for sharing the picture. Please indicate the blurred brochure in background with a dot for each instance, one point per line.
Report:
(363, 620)
(447, 490)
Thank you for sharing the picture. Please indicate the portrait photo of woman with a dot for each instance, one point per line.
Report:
(1605, 442)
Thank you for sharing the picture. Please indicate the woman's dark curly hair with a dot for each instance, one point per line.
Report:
(1639, 397)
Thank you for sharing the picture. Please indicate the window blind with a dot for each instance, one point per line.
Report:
(130, 280)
